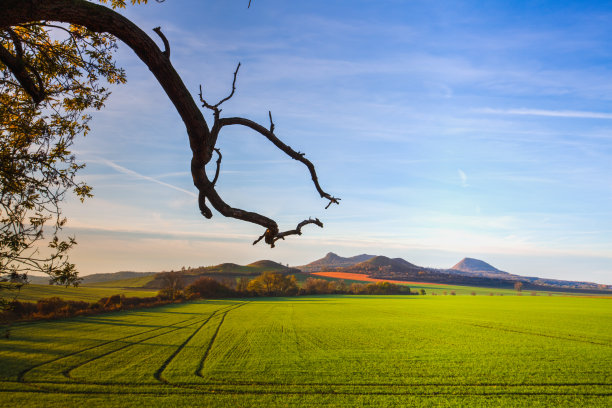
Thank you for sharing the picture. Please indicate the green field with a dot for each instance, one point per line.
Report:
(32, 292)
(320, 351)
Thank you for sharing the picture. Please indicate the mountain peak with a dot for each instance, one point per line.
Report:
(331, 255)
(474, 265)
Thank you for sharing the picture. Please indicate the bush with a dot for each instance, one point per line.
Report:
(113, 301)
(208, 288)
(273, 284)
(313, 286)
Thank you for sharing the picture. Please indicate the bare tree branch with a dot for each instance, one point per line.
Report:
(165, 40)
(282, 146)
(271, 122)
(282, 235)
(215, 107)
(218, 166)
(202, 140)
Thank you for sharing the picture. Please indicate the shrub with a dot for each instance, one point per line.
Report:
(314, 286)
(208, 288)
(50, 306)
(113, 302)
(273, 284)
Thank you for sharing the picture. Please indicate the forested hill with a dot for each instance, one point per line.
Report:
(332, 260)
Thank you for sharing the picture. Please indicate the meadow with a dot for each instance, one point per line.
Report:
(33, 292)
(319, 351)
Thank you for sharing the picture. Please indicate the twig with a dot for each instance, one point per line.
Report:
(216, 106)
(165, 40)
(218, 166)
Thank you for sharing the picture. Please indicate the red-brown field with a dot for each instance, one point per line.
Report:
(365, 278)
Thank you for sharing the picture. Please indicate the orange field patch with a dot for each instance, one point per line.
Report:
(365, 278)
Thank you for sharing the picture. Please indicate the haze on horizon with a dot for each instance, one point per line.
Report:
(448, 130)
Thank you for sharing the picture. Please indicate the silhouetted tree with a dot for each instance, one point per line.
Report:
(172, 285)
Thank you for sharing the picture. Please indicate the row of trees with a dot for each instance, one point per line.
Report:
(271, 284)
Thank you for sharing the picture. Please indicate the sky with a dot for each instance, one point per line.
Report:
(449, 129)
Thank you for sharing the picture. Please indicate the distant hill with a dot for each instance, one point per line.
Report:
(268, 265)
(468, 272)
(476, 267)
(230, 271)
(108, 277)
(38, 280)
(384, 262)
(332, 261)
(96, 277)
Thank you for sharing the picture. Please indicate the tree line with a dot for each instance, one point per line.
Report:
(271, 284)
(174, 291)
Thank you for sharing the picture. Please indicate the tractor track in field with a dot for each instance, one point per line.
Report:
(200, 368)
(160, 370)
(484, 326)
(390, 384)
(321, 389)
(23, 373)
(66, 373)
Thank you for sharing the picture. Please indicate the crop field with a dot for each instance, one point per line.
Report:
(33, 292)
(319, 351)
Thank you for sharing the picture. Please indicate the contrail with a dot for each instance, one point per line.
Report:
(132, 173)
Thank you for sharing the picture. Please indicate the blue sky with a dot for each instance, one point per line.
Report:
(449, 129)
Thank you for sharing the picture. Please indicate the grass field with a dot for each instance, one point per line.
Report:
(32, 292)
(320, 351)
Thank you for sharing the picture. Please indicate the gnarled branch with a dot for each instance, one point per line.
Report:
(269, 134)
(202, 140)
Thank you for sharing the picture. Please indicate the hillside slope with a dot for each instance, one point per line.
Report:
(332, 261)
(476, 267)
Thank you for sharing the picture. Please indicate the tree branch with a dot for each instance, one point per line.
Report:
(165, 40)
(202, 141)
(215, 107)
(218, 167)
(18, 67)
(282, 146)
